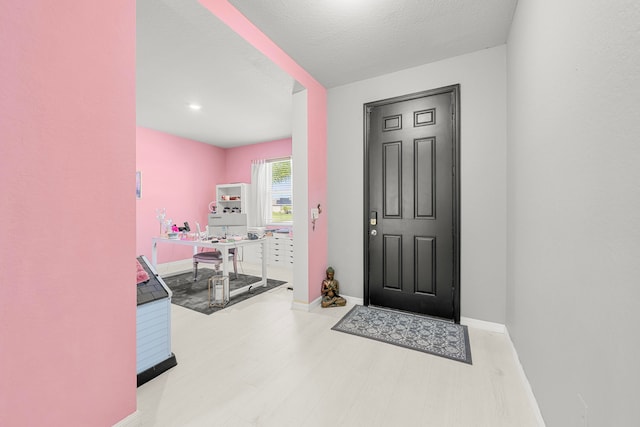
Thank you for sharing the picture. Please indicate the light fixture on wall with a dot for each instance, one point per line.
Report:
(195, 107)
(315, 214)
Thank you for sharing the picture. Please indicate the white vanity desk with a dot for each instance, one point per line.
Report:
(222, 247)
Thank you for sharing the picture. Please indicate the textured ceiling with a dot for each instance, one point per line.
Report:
(343, 41)
(184, 54)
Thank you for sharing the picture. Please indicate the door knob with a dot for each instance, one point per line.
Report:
(374, 232)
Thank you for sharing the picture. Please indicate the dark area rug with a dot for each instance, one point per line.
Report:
(195, 295)
(408, 330)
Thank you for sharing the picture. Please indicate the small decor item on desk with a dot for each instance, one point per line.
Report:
(329, 290)
(173, 235)
(200, 235)
(161, 213)
(212, 207)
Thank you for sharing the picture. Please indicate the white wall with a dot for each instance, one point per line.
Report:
(299, 144)
(482, 76)
(574, 207)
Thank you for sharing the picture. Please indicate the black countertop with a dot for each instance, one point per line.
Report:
(152, 289)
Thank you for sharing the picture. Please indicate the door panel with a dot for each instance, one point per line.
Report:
(424, 180)
(392, 261)
(425, 265)
(412, 248)
(392, 181)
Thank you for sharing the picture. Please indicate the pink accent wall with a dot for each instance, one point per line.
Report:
(317, 170)
(67, 270)
(316, 129)
(177, 174)
(239, 158)
(181, 175)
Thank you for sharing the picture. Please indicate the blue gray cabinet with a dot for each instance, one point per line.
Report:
(153, 326)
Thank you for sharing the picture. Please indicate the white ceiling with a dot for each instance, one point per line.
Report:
(184, 54)
(343, 41)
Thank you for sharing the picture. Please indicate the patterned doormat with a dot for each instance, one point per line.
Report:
(408, 330)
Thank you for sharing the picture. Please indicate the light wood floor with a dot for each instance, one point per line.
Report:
(259, 363)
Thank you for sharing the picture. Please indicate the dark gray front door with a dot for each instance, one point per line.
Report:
(412, 232)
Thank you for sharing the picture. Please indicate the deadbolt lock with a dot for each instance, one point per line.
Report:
(373, 218)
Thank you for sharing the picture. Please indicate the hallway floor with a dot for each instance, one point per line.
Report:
(259, 363)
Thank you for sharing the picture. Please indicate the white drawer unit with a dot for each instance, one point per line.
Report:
(280, 249)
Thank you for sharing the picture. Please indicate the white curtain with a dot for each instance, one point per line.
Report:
(260, 201)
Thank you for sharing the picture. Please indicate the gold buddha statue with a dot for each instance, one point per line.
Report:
(330, 289)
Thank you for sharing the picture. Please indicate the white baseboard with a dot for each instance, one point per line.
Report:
(302, 306)
(353, 300)
(500, 328)
(315, 303)
(525, 381)
(483, 324)
(131, 421)
(299, 306)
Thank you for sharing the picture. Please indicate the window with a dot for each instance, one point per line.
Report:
(280, 177)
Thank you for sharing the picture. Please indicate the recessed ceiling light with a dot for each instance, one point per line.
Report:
(195, 107)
